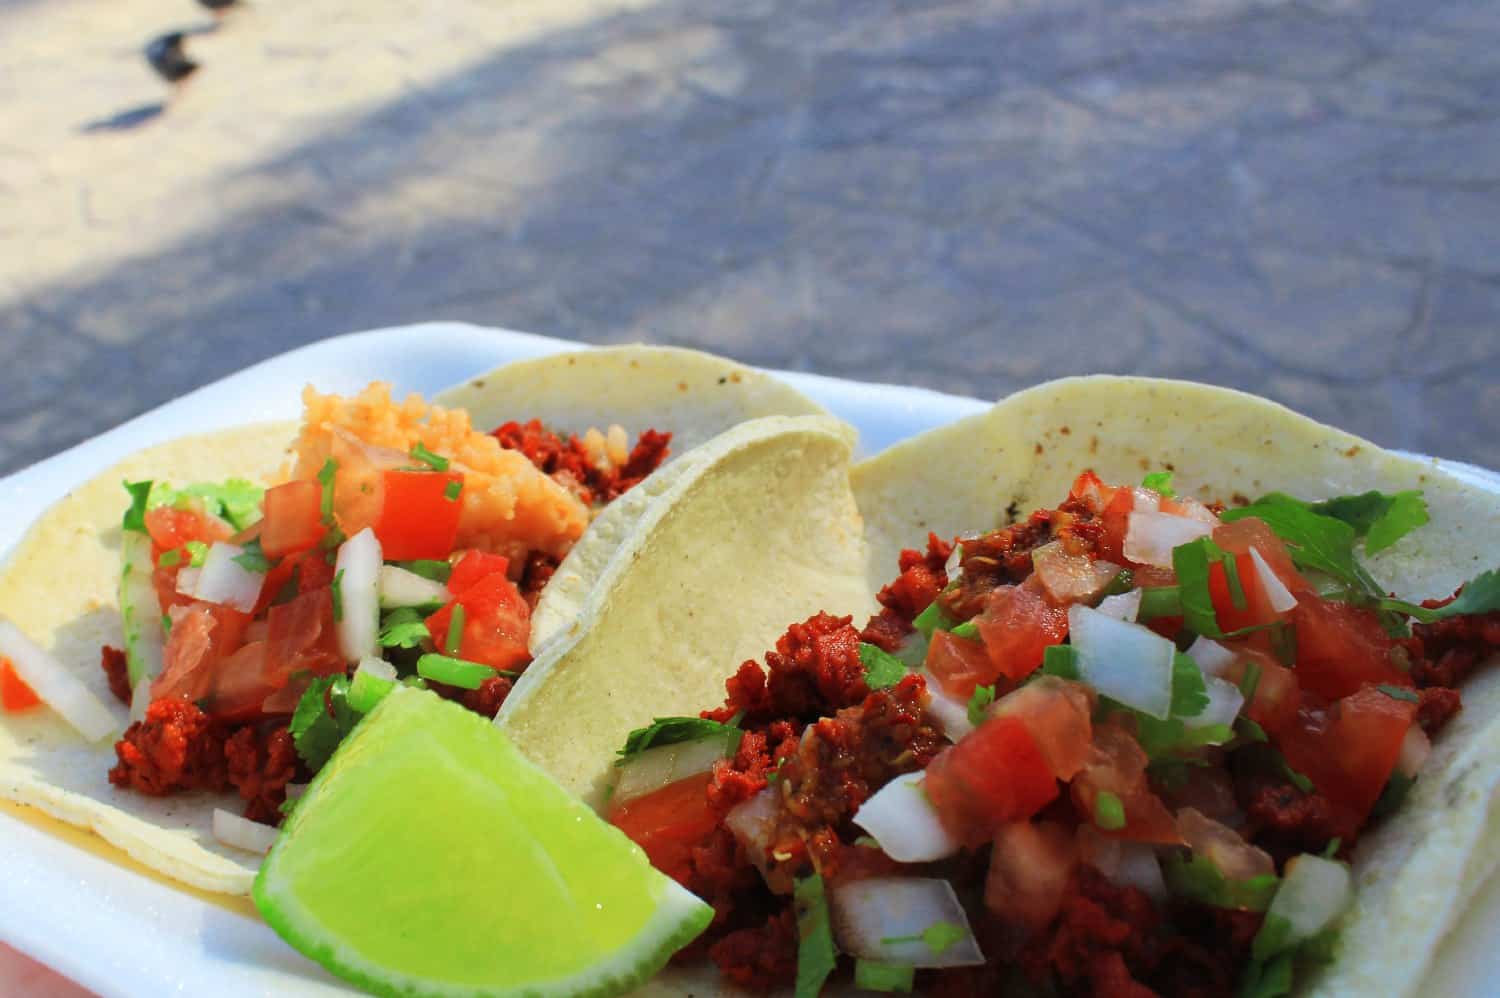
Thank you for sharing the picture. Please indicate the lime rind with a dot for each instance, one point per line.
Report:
(623, 957)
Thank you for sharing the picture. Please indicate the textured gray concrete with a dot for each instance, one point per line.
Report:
(1296, 198)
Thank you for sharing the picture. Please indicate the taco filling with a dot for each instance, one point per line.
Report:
(405, 546)
(1124, 746)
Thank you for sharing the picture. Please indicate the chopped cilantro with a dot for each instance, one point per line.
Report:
(1164, 739)
(1480, 594)
(1193, 563)
(882, 669)
(1232, 579)
(1250, 681)
(1249, 730)
(135, 517)
(1159, 482)
(1300, 781)
(428, 568)
(1316, 542)
(235, 501)
(1381, 519)
(452, 490)
(1284, 642)
(252, 558)
(457, 671)
(453, 641)
(337, 591)
(197, 551)
(982, 697)
(326, 475)
(671, 730)
(874, 975)
(166, 624)
(1160, 601)
(403, 628)
(434, 461)
(1332, 849)
(1123, 582)
(940, 937)
(170, 559)
(1396, 789)
(1274, 954)
(968, 629)
(1197, 879)
(934, 618)
(322, 718)
(1399, 693)
(866, 842)
(1109, 811)
(1060, 661)
(1189, 693)
(816, 956)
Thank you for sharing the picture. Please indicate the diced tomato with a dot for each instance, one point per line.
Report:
(1092, 490)
(1117, 765)
(473, 566)
(171, 528)
(201, 636)
(1277, 695)
(669, 822)
(1056, 712)
(497, 623)
(1240, 536)
(959, 664)
(417, 519)
(1349, 749)
(1030, 866)
(301, 636)
(293, 518)
(240, 684)
(1017, 626)
(1116, 519)
(310, 570)
(996, 774)
(15, 695)
(1340, 648)
(164, 581)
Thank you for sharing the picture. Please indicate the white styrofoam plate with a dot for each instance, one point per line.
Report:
(118, 932)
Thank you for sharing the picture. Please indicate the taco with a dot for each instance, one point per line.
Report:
(242, 585)
(1146, 688)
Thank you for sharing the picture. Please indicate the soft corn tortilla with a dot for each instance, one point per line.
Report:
(1415, 873)
(60, 583)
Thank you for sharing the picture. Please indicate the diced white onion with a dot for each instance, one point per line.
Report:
(952, 714)
(665, 764)
(242, 833)
(1145, 500)
(140, 699)
(883, 918)
(1071, 578)
(1280, 597)
(1192, 509)
(1213, 658)
(1131, 864)
(753, 822)
(399, 587)
(55, 685)
(359, 594)
(225, 581)
(953, 566)
(901, 818)
(1224, 703)
(1125, 662)
(1122, 606)
(1150, 537)
(1314, 892)
(187, 581)
(377, 667)
(1415, 749)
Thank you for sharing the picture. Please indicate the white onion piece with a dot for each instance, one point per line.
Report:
(1122, 606)
(665, 764)
(1145, 500)
(1192, 509)
(952, 714)
(140, 699)
(871, 916)
(1125, 662)
(1213, 658)
(1150, 537)
(954, 565)
(1224, 703)
(187, 581)
(226, 582)
(905, 824)
(1415, 749)
(1314, 892)
(399, 587)
(359, 594)
(1277, 593)
(1071, 578)
(55, 686)
(377, 667)
(753, 822)
(242, 833)
(1138, 866)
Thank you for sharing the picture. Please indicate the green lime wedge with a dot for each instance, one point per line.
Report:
(429, 857)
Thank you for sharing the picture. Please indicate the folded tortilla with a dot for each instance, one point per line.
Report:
(59, 584)
(1415, 873)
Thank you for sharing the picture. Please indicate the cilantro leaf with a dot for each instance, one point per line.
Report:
(1381, 519)
(1316, 542)
(403, 628)
(1060, 661)
(428, 568)
(816, 956)
(336, 590)
(1159, 601)
(1159, 482)
(1480, 594)
(235, 500)
(968, 629)
(1189, 692)
(322, 719)
(1109, 811)
(882, 669)
(1165, 739)
(672, 730)
(458, 672)
(1192, 562)
(135, 517)
(252, 558)
(934, 618)
(197, 551)
(876, 975)
(434, 461)
(940, 937)
(453, 490)
(1197, 879)
(326, 476)
(453, 641)
(982, 697)
(1396, 789)
(1398, 693)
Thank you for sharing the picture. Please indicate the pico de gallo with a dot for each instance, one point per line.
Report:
(1121, 747)
(404, 547)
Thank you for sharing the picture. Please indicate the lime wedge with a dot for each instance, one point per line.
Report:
(429, 857)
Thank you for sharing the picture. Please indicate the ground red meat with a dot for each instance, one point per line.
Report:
(1444, 652)
(760, 958)
(117, 672)
(1102, 942)
(1282, 819)
(539, 569)
(1207, 955)
(1437, 707)
(568, 461)
(176, 747)
(1000, 557)
(486, 700)
(922, 578)
(261, 763)
(814, 670)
